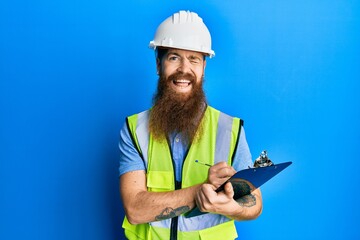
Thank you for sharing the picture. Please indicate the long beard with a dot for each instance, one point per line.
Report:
(175, 112)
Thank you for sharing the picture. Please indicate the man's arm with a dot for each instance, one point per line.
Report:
(142, 206)
(244, 208)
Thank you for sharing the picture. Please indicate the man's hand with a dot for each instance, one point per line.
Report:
(208, 200)
(248, 206)
(220, 173)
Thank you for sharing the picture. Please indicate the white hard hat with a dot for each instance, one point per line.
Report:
(183, 30)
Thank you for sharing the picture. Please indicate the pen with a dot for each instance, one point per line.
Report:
(206, 164)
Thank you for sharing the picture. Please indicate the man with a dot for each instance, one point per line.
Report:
(175, 155)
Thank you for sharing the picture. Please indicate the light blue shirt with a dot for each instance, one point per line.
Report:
(130, 159)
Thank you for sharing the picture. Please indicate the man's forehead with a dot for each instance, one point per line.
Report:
(184, 52)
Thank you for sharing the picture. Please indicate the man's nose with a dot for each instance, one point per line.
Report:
(185, 66)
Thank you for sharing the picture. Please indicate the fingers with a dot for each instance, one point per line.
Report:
(222, 170)
(204, 197)
(208, 200)
(229, 190)
(220, 173)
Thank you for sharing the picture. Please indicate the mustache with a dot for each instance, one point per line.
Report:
(180, 75)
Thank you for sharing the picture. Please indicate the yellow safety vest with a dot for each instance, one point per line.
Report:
(218, 143)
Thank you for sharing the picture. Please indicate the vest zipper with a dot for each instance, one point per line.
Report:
(175, 220)
(173, 228)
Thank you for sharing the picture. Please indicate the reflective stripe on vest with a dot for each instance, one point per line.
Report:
(211, 148)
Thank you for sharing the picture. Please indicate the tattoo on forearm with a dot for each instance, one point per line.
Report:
(247, 201)
(241, 188)
(170, 212)
(242, 193)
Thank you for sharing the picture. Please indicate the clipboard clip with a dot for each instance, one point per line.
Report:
(263, 160)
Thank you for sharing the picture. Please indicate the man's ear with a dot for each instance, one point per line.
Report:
(204, 65)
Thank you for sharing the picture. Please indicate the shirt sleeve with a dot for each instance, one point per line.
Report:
(130, 159)
(242, 159)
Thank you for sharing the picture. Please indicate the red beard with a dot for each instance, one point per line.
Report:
(176, 112)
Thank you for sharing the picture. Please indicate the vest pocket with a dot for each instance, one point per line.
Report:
(160, 181)
(136, 232)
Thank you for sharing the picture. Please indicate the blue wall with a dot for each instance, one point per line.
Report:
(70, 71)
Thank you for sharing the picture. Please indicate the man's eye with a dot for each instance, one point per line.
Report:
(195, 60)
(173, 58)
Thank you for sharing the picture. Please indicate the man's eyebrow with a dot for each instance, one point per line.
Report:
(194, 56)
(173, 53)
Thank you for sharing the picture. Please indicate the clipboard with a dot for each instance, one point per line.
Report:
(256, 176)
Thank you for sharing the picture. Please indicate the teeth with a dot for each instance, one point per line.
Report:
(182, 81)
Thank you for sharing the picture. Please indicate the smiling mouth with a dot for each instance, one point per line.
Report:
(182, 83)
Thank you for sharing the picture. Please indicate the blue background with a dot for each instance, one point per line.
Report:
(70, 71)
